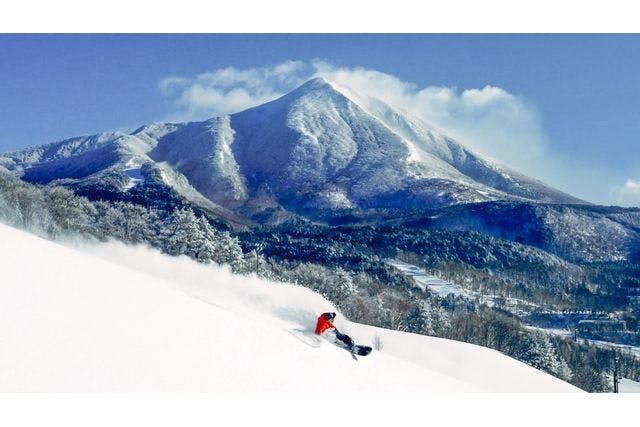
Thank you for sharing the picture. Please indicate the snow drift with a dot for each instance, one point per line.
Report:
(117, 318)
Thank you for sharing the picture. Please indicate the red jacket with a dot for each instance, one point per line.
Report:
(323, 324)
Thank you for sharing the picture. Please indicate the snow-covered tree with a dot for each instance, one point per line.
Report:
(8, 212)
(417, 319)
(537, 350)
(227, 250)
(182, 234)
(427, 318)
(126, 221)
(28, 205)
(186, 234)
(205, 249)
(67, 212)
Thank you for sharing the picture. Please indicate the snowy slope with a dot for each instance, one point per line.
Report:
(629, 386)
(117, 318)
(443, 288)
(425, 281)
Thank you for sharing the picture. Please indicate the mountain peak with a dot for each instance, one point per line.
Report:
(317, 92)
(313, 85)
(316, 81)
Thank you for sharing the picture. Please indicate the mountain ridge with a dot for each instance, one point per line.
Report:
(313, 147)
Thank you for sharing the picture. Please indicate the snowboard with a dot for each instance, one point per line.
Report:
(361, 350)
(347, 343)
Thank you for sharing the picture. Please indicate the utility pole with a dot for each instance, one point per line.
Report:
(259, 247)
(615, 374)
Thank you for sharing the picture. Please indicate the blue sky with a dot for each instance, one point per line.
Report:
(563, 108)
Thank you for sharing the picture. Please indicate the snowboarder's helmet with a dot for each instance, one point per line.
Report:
(330, 316)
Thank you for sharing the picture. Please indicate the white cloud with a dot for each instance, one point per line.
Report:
(229, 90)
(627, 194)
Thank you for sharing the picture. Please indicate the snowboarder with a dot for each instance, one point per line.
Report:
(325, 328)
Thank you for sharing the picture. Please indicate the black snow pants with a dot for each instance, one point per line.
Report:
(346, 339)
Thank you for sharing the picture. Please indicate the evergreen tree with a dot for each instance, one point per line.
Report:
(537, 350)
(182, 234)
(227, 250)
(205, 249)
(417, 319)
(127, 222)
(67, 212)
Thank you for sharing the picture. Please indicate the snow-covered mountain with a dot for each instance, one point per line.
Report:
(319, 147)
(118, 318)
